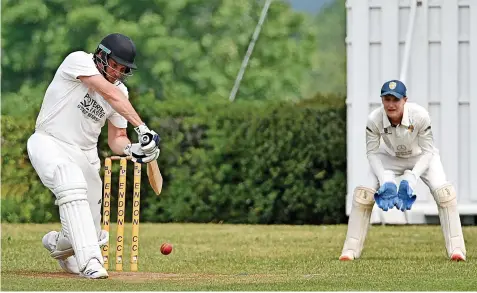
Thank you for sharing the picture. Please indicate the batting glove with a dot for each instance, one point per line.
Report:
(148, 139)
(137, 154)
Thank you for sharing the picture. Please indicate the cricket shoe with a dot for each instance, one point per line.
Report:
(68, 264)
(457, 255)
(94, 270)
(63, 247)
(348, 255)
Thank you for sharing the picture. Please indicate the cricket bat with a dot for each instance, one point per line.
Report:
(155, 177)
(153, 172)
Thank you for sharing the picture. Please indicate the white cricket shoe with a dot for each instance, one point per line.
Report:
(94, 270)
(69, 264)
(458, 255)
(348, 255)
(63, 247)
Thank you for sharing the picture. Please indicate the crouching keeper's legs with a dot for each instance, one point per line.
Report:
(358, 224)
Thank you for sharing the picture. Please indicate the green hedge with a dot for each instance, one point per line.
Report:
(24, 198)
(241, 162)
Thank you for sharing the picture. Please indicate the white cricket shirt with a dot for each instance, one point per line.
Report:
(72, 112)
(413, 137)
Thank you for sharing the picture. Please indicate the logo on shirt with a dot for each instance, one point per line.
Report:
(401, 147)
(91, 108)
(403, 151)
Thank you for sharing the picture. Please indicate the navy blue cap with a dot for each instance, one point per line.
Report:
(395, 88)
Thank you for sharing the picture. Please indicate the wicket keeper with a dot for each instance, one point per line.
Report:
(87, 90)
(399, 142)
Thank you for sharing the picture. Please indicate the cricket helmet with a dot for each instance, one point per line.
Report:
(118, 47)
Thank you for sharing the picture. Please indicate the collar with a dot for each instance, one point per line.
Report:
(405, 118)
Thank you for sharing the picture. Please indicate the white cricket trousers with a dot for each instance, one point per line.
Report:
(47, 152)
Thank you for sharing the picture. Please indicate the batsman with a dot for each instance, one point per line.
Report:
(86, 91)
(399, 142)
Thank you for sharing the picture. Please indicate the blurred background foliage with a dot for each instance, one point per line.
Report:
(275, 155)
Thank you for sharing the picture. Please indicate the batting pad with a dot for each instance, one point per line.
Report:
(446, 200)
(359, 219)
(75, 214)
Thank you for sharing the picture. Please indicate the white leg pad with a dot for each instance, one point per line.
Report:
(446, 200)
(358, 224)
(75, 214)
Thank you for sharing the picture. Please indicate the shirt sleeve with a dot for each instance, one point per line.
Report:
(116, 119)
(426, 143)
(373, 140)
(78, 64)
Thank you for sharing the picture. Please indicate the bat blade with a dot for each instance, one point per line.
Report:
(155, 177)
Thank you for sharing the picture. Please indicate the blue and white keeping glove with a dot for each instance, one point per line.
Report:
(406, 195)
(148, 139)
(386, 197)
(136, 153)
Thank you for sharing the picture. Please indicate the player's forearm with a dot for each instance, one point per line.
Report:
(372, 147)
(124, 108)
(377, 167)
(426, 143)
(114, 97)
(422, 164)
(117, 144)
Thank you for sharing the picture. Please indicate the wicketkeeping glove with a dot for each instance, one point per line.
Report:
(406, 196)
(386, 196)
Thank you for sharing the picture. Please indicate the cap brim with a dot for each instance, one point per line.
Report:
(392, 93)
(125, 63)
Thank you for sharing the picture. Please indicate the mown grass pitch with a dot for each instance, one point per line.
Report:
(252, 258)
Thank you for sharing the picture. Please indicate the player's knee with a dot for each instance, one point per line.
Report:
(364, 195)
(445, 195)
(69, 183)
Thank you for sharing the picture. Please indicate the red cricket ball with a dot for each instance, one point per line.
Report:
(166, 248)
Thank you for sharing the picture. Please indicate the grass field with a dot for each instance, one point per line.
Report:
(252, 258)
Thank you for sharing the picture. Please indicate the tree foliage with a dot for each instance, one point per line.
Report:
(275, 155)
(186, 48)
(331, 59)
